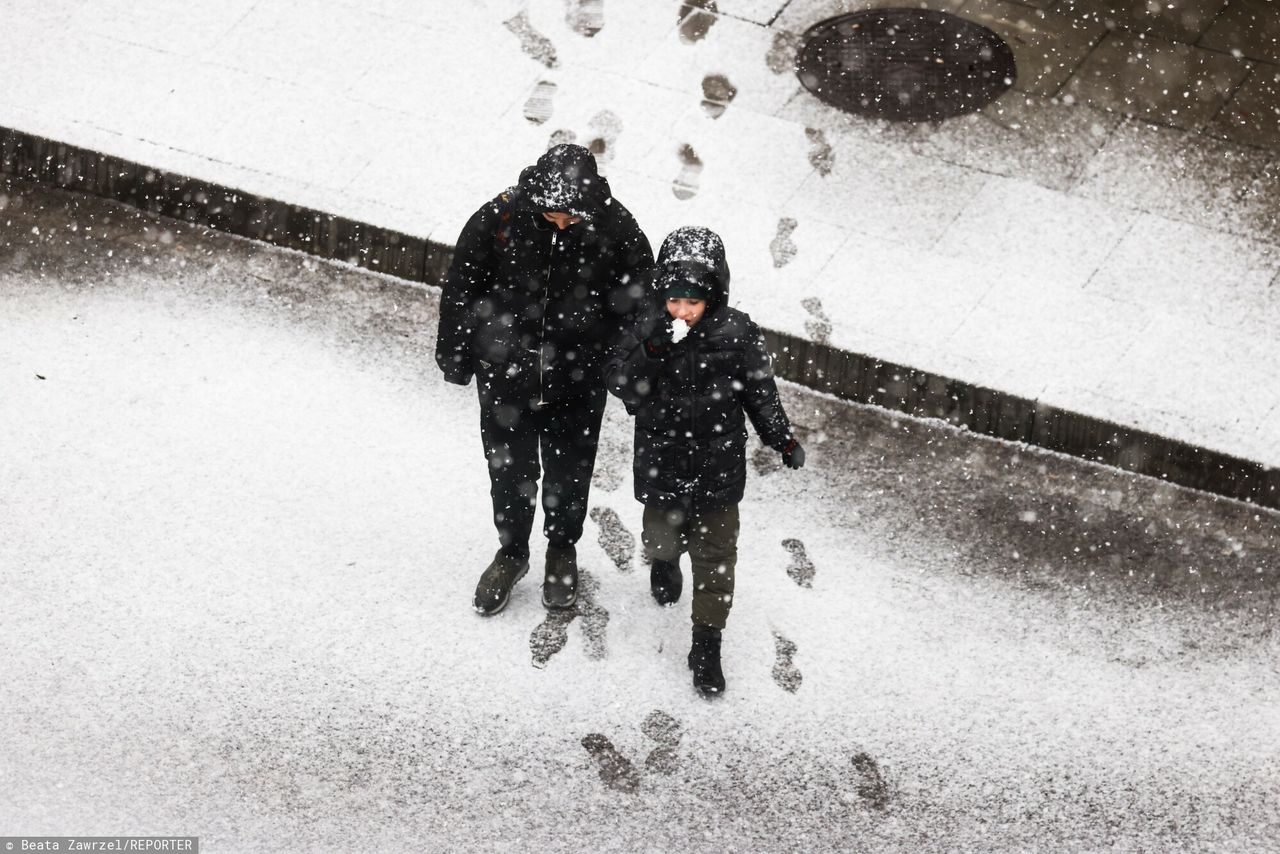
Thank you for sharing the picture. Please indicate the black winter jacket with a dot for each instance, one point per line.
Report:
(536, 308)
(690, 398)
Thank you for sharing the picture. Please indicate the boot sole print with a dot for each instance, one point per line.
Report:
(801, 570)
(533, 43)
(618, 542)
(685, 186)
(615, 770)
(539, 107)
(584, 17)
(696, 19)
(717, 94)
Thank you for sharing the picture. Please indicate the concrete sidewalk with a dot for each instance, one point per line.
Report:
(1102, 239)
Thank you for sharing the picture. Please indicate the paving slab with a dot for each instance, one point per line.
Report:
(1162, 354)
(913, 296)
(877, 189)
(1161, 170)
(732, 49)
(1048, 47)
(1036, 139)
(1166, 82)
(756, 11)
(1174, 20)
(1252, 116)
(1248, 26)
(1051, 239)
(800, 15)
(1053, 340)
(1189, 261)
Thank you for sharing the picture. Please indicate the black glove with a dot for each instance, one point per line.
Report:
(793, 455)
(660, 339)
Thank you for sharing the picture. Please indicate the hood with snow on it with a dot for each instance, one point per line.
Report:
(566, 179)
(695, 254)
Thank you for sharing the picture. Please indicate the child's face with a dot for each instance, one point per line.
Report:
(688, 310)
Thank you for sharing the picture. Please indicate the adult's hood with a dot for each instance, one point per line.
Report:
(694, 254)
(567, 179)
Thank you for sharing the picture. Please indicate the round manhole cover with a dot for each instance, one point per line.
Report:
(904, 64)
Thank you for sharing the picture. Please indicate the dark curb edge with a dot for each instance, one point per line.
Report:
(846, 375)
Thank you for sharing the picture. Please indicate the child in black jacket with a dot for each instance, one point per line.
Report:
(692, 373)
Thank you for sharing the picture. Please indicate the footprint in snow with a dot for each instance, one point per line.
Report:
(666, 731)
(616, 770)
(605, 128)
(533, 43)
(782, 247)
(717, 93)
(821, 156)
(685, 186)
(801, 570)
(560, 137)
(781, 57)
(871, 786)
(618, 543)
(552, 634)
(538, 108)
(696, 19)
(818, 326)
(785, 673)
(584, 17)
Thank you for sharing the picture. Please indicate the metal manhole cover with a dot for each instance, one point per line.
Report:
(910, 65)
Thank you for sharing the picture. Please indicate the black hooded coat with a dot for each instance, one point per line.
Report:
(536, 308)
(692, 399)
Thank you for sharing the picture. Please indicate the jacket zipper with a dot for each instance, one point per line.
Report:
(546, 305)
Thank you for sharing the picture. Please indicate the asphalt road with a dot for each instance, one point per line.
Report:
(240, 522)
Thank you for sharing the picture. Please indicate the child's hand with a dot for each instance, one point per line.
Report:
(793, 455)
(660, 339)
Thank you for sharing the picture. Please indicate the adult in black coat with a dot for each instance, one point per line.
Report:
(544, 278)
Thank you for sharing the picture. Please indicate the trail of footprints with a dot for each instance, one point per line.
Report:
(620, 774)
(586, 17)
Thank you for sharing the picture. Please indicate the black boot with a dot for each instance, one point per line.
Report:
(704, 661)
(496, 582)
(665, 582)
(560, 585)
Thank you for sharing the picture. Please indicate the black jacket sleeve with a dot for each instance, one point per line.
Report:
(469, 277)
(630, 373)
(760, 394)
(632, 274)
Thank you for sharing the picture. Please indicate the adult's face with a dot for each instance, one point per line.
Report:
(561, 219)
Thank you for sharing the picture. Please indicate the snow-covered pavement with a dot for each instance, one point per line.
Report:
(1050, 247)
(241, 522)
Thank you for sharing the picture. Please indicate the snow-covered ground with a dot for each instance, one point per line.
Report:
(241, 523)
(1049, 248)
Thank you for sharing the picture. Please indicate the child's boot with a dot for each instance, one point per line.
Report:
(665, 581)
(704, 661)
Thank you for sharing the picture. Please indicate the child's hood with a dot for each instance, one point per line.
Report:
(692, 252)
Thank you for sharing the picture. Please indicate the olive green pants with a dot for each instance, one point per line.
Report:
(711, 539)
